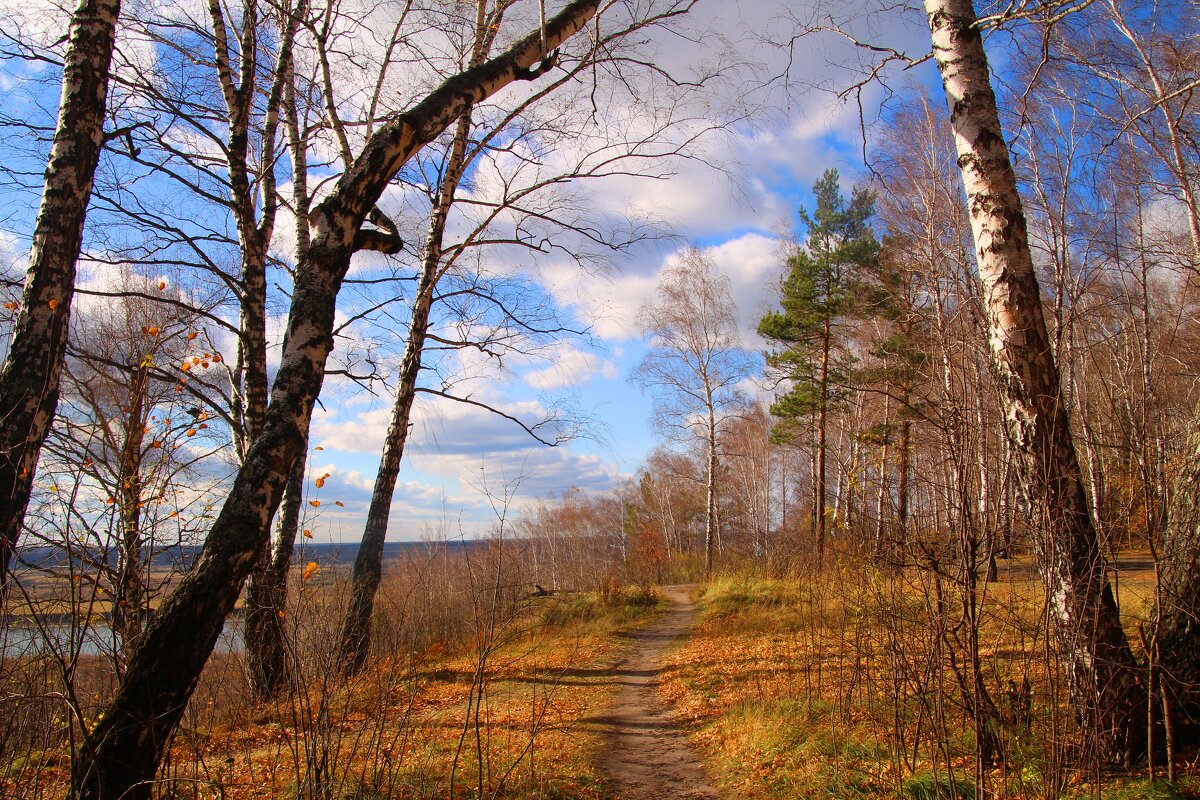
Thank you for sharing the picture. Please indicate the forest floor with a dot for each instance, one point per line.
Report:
(841, 684)
(846, 684)
(647, 754)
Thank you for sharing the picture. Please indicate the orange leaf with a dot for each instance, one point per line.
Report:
(320, 482)
(152, 330)
(339, 504)
(314, 503)
(307, 534)
(280, 613)
(310, 569)
(185, 366)
(318, 447)
(156, 443)
(162, 285)
(53, 303)
(191, 432)
(192, 335)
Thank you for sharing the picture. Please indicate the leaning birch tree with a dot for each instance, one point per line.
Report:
(1102, 674)
(119, 756)
(527, 206)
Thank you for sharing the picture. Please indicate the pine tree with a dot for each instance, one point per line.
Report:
(816, 296)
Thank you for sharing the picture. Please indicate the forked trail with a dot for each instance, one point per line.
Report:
(647, 754)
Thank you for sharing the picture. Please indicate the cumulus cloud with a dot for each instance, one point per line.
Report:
(754, 265)
(752, 261)
(437, 424)
(344, 498)
(531, 473)
(464, 461)
(354, 431)
(571, 367)
(459, 441)
(451, 428)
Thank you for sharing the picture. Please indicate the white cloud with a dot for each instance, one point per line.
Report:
(414, 504)
(752, 261)
(358, 432)
(570, 367)
(529, 473)
(754, 265)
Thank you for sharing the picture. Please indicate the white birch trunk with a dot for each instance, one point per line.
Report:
(1102, 674)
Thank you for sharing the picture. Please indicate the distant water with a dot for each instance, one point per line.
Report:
(23, 639)
(337, 553)
(20, 637)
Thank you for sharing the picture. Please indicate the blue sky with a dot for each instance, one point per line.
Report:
(455, 458)
(461, 462)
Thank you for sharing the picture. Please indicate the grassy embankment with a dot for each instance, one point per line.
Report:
(503, 715)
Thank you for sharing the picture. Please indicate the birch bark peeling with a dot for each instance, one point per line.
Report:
(120, 756)
(30, 377)
(1102, 674)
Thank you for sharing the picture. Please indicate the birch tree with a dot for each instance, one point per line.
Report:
(521, 209)
(120, 755)
(127, 433)
(29, 379)
(203, 125)
(368, 563)
(695, 364)
(1102, 674)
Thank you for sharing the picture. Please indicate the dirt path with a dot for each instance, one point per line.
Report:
(647, 755)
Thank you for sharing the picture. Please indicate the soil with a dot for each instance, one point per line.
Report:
(647, 755)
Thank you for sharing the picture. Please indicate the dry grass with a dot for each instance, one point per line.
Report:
(848, 683)
(499, 716)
